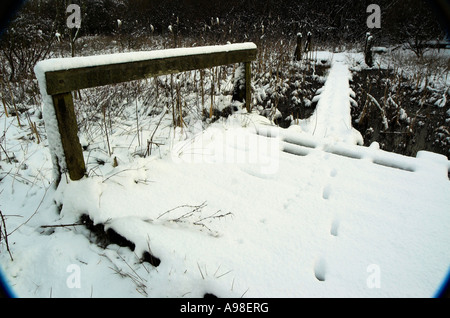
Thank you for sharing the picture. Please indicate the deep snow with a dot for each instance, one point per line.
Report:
(239, 209)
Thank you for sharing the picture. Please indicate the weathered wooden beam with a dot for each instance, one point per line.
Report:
(68, 130)
(63, 81)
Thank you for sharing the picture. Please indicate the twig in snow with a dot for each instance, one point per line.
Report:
(150, 142)
(60, 225)
(106, 129)
(242, 296)
(213, 216)
(137, 123)
(9, 159)
(201, 273)
(136, 279)
(224, 273)
(194, 207)
(118, 173)
(137, 275)
(5, 235)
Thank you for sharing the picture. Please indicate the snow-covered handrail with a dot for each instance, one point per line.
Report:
(69, 74)
(59, 77)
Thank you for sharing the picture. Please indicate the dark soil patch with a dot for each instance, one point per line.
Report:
(104, 238)
(414, 122)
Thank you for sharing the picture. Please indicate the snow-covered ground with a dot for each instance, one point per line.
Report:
(239, 209)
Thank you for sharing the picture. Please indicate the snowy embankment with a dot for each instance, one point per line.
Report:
(240, 208)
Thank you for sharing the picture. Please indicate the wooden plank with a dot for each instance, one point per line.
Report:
(68, 129)
(64, 81)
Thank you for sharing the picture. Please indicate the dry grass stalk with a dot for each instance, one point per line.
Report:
(106, 129)
(14, 104)
(5, 235)
(3, 99)
(33, 129)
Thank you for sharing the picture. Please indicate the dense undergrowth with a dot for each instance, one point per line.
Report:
(405, 107)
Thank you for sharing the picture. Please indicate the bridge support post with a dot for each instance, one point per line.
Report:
(248, 88)
(68, 130)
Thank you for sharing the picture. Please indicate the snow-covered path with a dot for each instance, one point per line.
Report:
(331, 119)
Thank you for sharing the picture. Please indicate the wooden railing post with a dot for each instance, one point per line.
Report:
(68, 130)
(248, 87)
